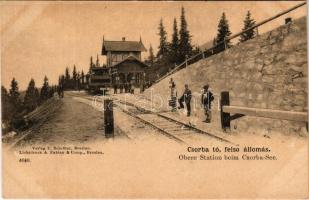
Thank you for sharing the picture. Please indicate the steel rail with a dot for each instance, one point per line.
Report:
(163, 130)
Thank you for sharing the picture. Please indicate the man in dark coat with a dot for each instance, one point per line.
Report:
(207, 98)
(186, 97)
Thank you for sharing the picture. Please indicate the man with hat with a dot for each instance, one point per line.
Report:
(186, 97)
(207, 98)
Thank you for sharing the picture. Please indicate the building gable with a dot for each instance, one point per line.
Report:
(120, 46)
(130, 64)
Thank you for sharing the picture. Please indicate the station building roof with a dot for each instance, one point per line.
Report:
(122, 46)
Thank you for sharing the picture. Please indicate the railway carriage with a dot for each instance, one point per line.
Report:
(99, 80)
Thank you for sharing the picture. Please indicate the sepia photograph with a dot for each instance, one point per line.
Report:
(154, 99)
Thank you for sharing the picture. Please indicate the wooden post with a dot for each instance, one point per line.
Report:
(108, 118)
(225, 117)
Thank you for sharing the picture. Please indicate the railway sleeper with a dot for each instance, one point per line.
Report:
(182, 131)
(169, 127)
(174, 129)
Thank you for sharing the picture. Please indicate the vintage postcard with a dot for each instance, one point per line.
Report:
(154, 99)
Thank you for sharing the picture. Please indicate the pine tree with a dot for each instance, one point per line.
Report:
(97, 64)
(248, 23)
(78, 81)
(7, 107)
(67, 78)
(91, 63)
(174, 46)
(74, 78)
(163, 46)
(185, 47)
(223, 33)
(15, 96)
(31, 99)
(61, 80)
(51, 91)
(44, 95)
(151, 55)
(82, 76)
(214, 42)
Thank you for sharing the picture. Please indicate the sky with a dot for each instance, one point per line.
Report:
(42, 38)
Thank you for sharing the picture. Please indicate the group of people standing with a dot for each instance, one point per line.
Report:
(125, 87)
(128, 87)
(206, 99)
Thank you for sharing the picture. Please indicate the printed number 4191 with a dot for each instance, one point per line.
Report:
(24, 160)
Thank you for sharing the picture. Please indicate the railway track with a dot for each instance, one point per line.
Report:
(175, 130)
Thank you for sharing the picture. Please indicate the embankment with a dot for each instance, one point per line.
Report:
(269, 71)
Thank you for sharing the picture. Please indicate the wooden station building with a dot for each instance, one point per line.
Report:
(124, 66)
(125, 62)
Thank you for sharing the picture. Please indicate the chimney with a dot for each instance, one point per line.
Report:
(123, 39)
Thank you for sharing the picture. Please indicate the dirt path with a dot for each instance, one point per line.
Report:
(75, 122)
(78, 121)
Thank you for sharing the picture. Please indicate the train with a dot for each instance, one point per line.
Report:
(99, 80)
